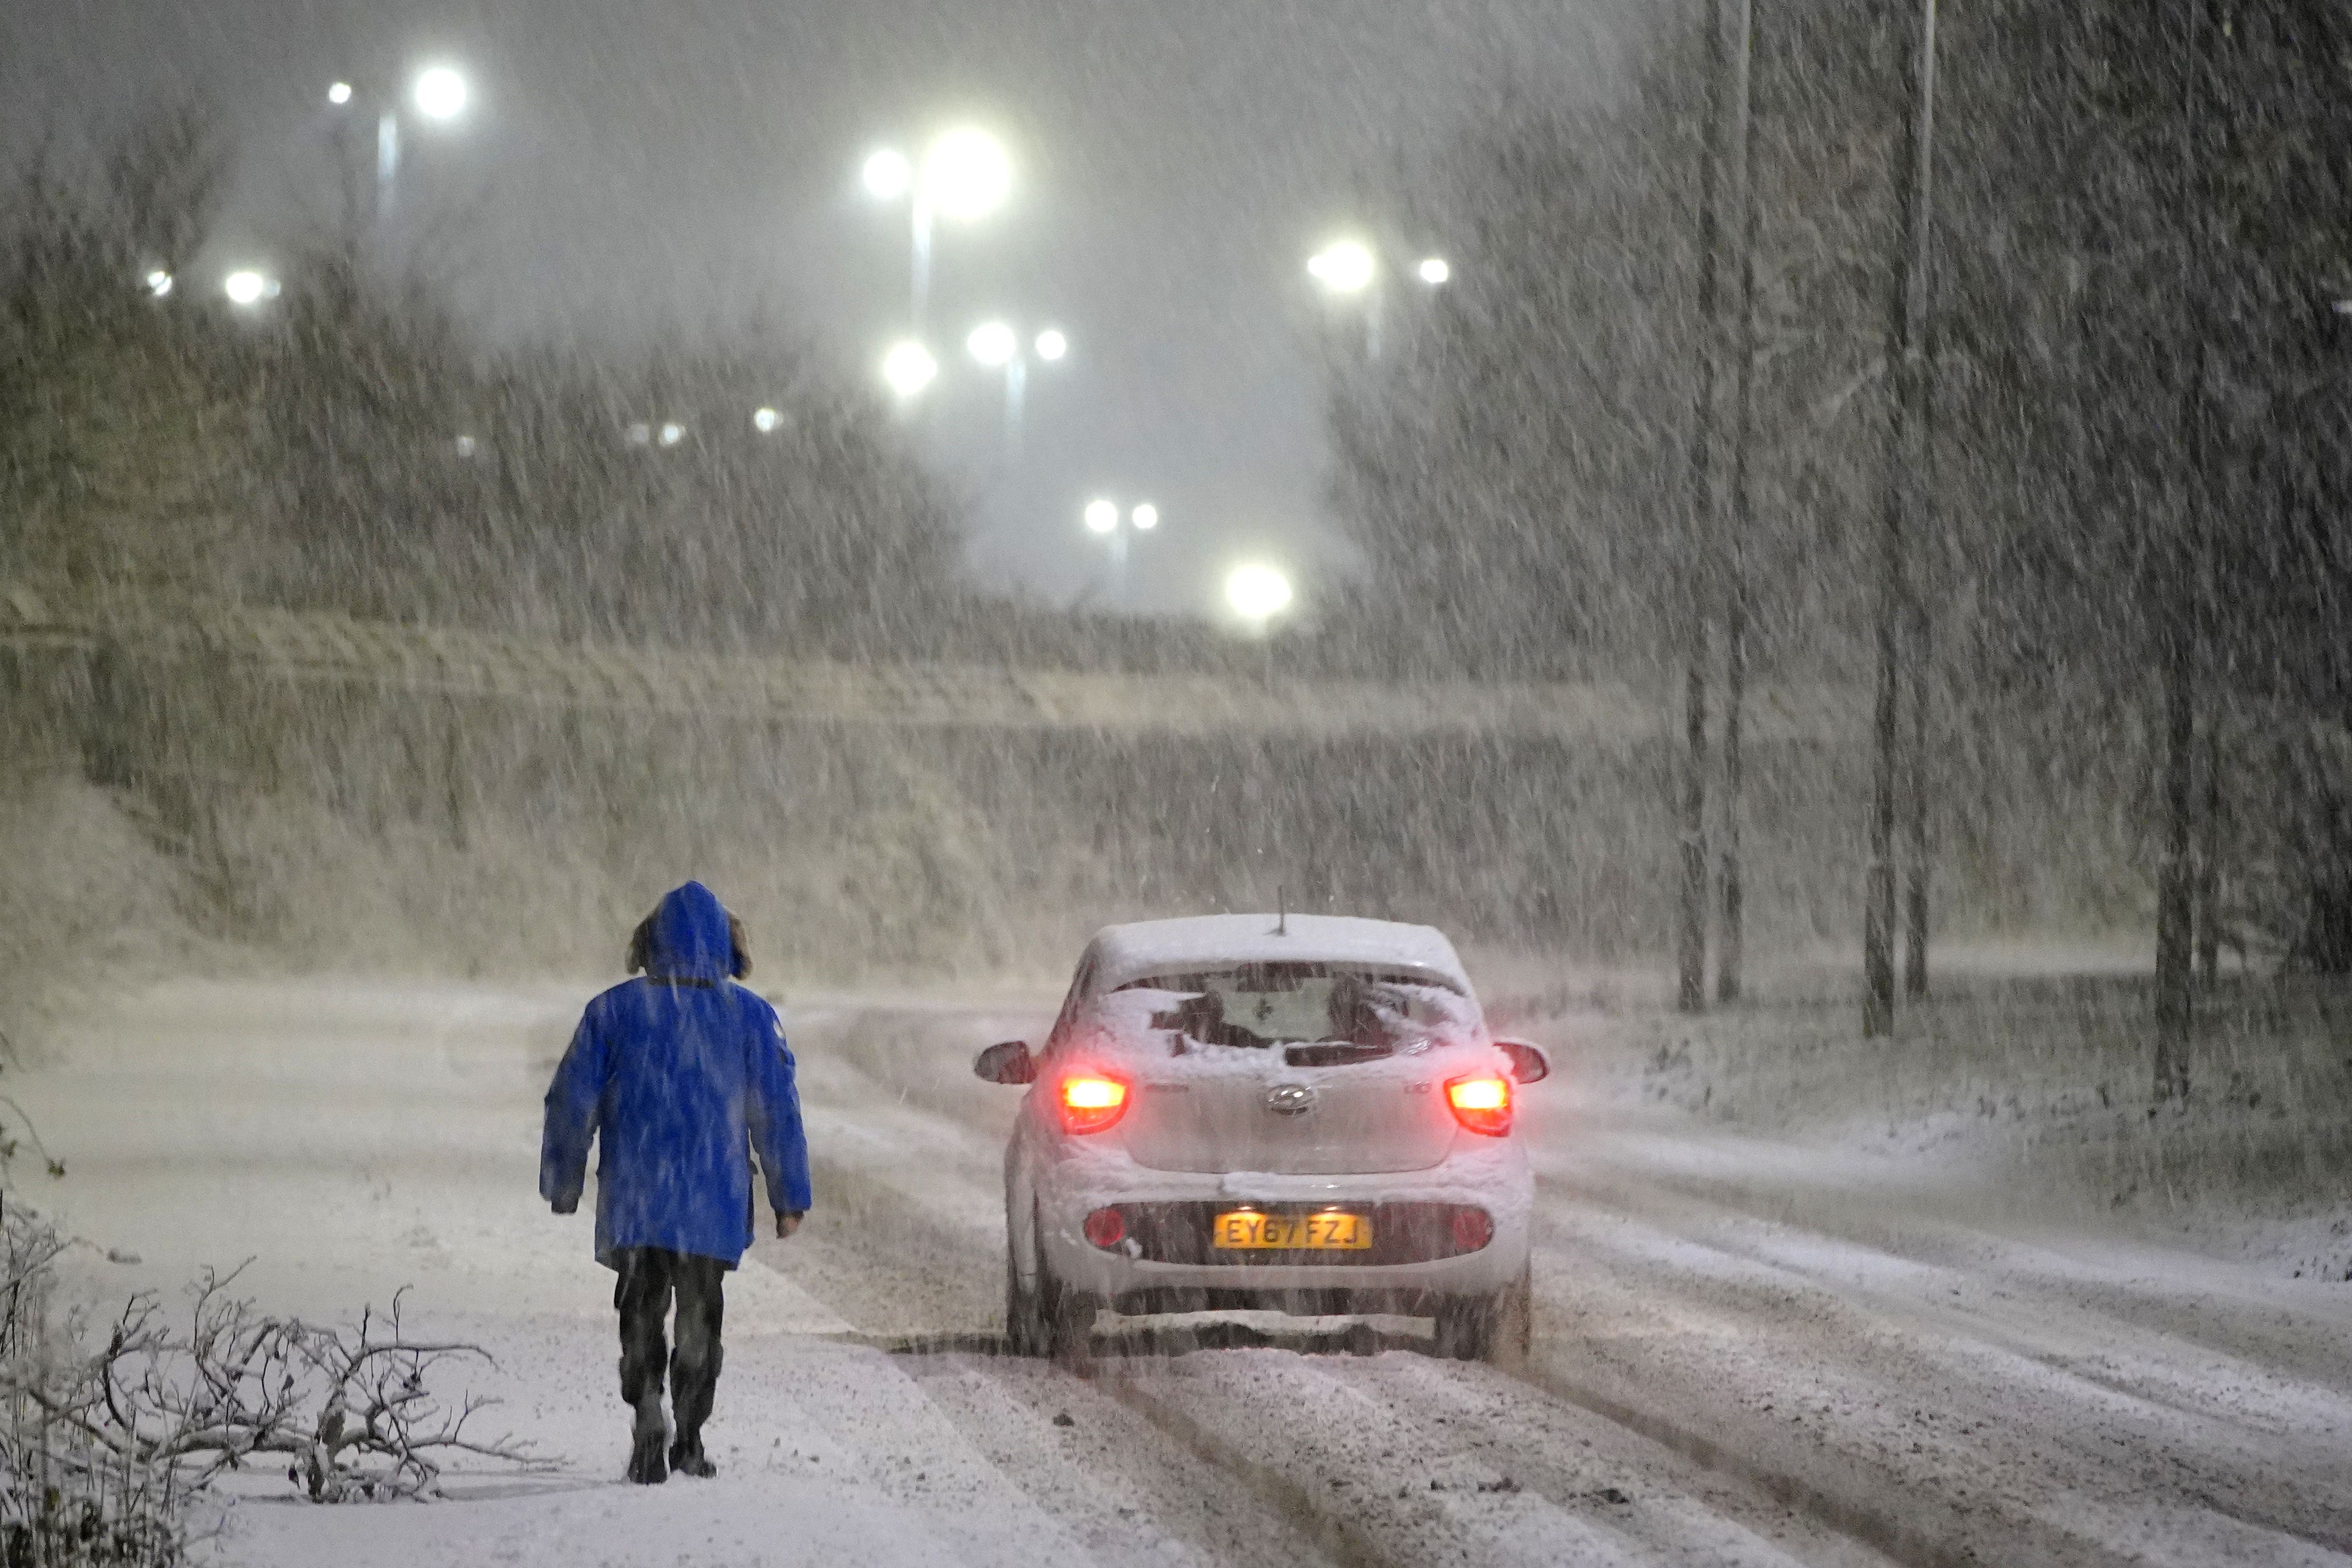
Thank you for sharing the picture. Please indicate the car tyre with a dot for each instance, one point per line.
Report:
(1514, 1320)
(1497, 1327)
(1024, 1325)
(1047, 1317)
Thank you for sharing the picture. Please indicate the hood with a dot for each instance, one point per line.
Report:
(687, 936)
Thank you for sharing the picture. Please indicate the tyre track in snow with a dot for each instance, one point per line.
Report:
(2047, 1430)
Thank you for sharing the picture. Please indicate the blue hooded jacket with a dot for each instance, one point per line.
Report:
(677, 1072)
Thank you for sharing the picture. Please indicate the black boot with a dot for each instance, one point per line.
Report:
(687, 1459)
(645, 1466)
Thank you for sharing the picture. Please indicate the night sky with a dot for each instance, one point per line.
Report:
(693, 166)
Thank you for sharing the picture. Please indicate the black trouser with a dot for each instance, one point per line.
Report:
(648, 1277)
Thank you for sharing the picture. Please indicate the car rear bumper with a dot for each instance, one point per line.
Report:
(1166, 1263)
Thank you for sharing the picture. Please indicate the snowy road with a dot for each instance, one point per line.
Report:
(1745, 1353)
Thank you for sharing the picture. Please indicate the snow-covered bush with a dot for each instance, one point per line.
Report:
(109, 1430)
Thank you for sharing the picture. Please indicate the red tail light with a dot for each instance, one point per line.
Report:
(1106, 1228)
(1090, 1103)
(1481, 1103)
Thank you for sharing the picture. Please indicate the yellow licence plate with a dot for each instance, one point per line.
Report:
(1294, 1232)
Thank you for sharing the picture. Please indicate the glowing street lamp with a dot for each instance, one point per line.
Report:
(245, 287)
(887, 175)
(765, 420)
(439, 94)
(908, 367)
(965, 174)
(1434, 270)
(1344, 267)
(1104, 517)
(992, 345)
(158, 282)
(997, 345)
(1257, 593)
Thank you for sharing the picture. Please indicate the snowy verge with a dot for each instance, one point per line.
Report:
(2023, 1098)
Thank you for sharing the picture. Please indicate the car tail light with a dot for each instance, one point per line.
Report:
(1473, 1228)
(1106, 1228)
(1481, 1103)
(1091, 1103)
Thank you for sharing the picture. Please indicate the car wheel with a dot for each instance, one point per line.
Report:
(1024, 1326)
(1497, 1327)
(1514, 1320)
(1064, 1318)
(1465, 1327)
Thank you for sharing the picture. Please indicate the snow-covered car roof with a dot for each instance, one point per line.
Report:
(1149, 948)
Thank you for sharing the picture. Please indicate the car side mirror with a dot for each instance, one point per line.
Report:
(1528, 1063)
(1006, 1062)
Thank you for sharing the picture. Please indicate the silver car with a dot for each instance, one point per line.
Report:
(1301, 1114)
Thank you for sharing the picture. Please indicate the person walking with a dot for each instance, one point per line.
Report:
(678, 1073)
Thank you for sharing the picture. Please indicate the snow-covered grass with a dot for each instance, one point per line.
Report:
(2033, 1092)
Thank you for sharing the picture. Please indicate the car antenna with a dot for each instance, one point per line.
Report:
(1281, 910)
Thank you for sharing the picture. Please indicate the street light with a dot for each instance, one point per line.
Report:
(908, 367)
(765, 420)
(1257, 593)
(992, 345)
(158, 282)
(439, 94)
(1103, 516)
(887, 175)
(1434, 270)
(997, 345)
(247, 287)
(1344, 267)
(965, 174)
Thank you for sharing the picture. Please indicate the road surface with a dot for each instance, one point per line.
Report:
(1745, 1352)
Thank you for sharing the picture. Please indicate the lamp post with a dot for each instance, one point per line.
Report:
(438, 93)
(997, 345)
(1349, 269)
(1114, 524)
(964, 175)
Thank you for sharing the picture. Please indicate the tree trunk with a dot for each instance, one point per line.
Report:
(2175, 984)
(2208, 863)
(1691, 945)
(1915, 901)
(1735, 614)
(2175, 1006)
(1905, 332)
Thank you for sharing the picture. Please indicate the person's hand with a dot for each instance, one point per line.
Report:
(563, 1206)
(786, 1223)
